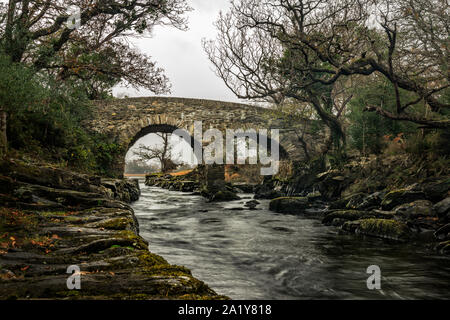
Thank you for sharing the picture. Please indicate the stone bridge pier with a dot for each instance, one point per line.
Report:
(125, 121)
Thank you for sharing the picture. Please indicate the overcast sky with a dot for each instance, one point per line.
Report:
(181, 54)
(190, 72)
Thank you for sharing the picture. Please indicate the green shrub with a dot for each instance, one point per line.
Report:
(44, 119)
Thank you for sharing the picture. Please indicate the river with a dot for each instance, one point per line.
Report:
(259, 254)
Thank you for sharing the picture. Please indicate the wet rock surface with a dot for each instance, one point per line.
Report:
(368, 198)
(292, 205)
(187, 183)
(52, 219)
(216, 190)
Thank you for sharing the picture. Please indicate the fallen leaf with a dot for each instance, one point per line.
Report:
(25, 268)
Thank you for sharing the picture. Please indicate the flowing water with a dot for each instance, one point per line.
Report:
(260, 254)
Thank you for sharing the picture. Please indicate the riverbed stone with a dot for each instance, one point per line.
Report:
(414, 210)
(437, 189)
(252, 204)
(337, 217)
(223, 196)
(292, 205)
(380, 228)
(366, 202)
(442, 209)
(401, 196)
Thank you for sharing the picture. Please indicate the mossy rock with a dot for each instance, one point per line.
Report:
(291, 205)
(224, 196)
(355, 200)
(400, 196)
(343, 215)
(414, 210)
(380, 228)
(117, 224)
(437, 190)
(442, 208)
(362, 201)
(148, 259)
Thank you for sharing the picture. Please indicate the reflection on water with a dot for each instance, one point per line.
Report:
(259, 254)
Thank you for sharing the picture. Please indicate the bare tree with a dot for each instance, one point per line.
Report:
(161, 153)
(291, 49)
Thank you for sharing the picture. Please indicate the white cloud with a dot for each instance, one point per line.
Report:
(181, 54)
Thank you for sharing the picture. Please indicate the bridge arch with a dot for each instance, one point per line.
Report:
(127, 120)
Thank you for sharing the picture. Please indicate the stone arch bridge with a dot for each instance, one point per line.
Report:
(127, 120)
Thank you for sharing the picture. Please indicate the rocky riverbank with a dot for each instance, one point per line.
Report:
(196, 183)
(395, 198)
(51, 219)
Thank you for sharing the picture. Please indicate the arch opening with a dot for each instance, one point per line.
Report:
(155, 149)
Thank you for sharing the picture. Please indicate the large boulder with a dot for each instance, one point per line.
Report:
(339, 217)
(252, 204)
(371, 201)
(292, 205)
(49, 176)
(224, 195)
(355, 200)
(442, 209)
(401, 196)
(437, 190)
(414, 210)
(380, 228)
(123, 190)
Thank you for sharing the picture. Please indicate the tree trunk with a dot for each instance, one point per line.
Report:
(3, 136)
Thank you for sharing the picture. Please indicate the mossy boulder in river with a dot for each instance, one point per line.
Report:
(343, 215)
(362, 201)
(380, 228)
(401, 196)
(414, 210)
(339, 217)
(442, 209)
(293, 205)
(224, 195)
(437, 189)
